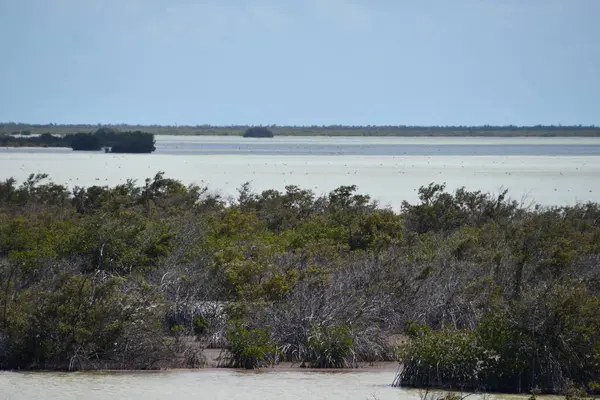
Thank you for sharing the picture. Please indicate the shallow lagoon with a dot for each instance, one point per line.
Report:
(552, 171)
(213, 384)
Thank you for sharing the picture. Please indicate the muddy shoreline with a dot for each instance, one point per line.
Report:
(214, 359)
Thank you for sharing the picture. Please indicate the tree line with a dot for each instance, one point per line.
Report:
(319, 130)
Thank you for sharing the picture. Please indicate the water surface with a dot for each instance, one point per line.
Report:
(202, 384)
(551, 171)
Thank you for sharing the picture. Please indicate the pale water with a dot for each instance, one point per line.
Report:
(203, 384)
(551, 171)
(215, 384)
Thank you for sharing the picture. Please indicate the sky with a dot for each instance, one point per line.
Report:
(300, 62)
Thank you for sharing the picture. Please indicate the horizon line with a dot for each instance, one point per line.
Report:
(509, 126)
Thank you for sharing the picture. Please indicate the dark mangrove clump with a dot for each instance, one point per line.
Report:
(115, 142)
(258, 132)
(85, 142)
(132, 142)
(104, 138)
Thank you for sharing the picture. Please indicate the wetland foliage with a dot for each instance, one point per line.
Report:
(486, 293)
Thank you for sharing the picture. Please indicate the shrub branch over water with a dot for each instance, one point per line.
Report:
(486, 293)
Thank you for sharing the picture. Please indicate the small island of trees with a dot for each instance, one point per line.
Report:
(133, 142)
(114, 142)
(258, 132)
(109, 139)
(85, 142)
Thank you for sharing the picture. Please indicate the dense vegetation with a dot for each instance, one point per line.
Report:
(490, 295)
(258, 132)
(125, 142)
(104, 138)
(84, 142)
(332, 130)
(43, 140)
(133, 142)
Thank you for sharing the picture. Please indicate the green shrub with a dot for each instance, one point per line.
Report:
(200, 325)
(446, 358)
(251, 348)
(512, 349)
(329, 347)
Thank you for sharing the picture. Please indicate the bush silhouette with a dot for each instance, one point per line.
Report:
(258, 132)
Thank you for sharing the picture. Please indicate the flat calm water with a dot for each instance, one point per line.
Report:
(214, 384)
(551, 171)
(203, 384)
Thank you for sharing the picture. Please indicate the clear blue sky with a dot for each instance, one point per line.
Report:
(303, 62)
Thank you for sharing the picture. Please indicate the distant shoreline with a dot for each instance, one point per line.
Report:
(334, 130)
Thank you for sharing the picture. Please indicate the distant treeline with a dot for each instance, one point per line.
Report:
(331, 130)
(108, 139)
